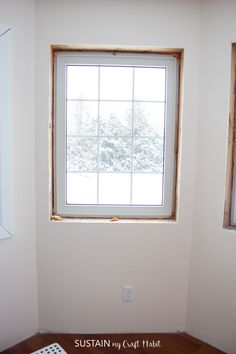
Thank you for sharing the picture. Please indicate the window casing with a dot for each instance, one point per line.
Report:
(117, 80)
(6, 165)
(230, 195)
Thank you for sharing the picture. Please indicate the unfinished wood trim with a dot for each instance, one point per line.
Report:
(52, 138)
(118, 49)
(231, 143)
(178, 131)
(176, 52)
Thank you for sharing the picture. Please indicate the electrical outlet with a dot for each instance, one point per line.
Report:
(128, 293)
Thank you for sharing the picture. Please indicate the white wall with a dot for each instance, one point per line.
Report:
(212, 296)
(83, 266)
(18, 278)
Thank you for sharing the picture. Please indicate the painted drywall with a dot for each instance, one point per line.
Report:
(211, 304)
(18, 277)
(82, 267)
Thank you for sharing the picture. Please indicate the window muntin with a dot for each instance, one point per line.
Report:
(112, 141)
(115, 118)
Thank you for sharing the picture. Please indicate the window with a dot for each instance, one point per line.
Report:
(6, 204)
(115, 118)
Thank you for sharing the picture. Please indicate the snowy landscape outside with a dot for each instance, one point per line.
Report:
(115, 135)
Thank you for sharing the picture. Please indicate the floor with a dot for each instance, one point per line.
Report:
(176, 343)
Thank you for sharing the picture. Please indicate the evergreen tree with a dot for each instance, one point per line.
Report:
(119, 150)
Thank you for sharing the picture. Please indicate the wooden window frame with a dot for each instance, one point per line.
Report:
(230, 192)
(6, 138)
(178, 53)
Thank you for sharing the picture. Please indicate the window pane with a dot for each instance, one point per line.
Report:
(114, 188)
(147, 188)
(81, 188)
(149, 119)
(149, 84)
(116, 83)
(148, 155)
(82, 118)
(81, 154)
(82, 82)
(115, 154)
(115, 118)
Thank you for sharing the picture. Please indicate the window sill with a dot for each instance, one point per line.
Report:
(56, 218)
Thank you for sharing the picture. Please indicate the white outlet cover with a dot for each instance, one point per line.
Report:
(128, 293)
(54, 348)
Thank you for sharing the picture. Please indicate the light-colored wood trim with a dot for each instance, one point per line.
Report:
(52, 139)
(231, 142)
(176, 52)
(118, 49)
(178, 131)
